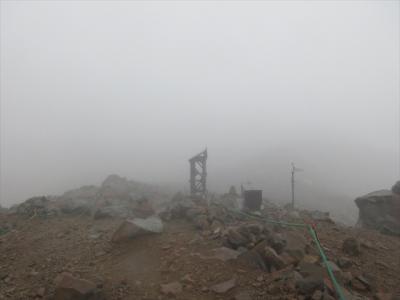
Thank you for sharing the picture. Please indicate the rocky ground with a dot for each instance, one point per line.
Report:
(128, 240)
(202, 253)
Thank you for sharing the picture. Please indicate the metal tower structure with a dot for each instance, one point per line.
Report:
(198, 175)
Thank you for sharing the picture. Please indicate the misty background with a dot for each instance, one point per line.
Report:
(136, 88)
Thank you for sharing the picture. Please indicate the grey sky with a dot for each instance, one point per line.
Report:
(135, 88)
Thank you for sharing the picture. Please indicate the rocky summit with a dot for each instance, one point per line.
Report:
(118, 242)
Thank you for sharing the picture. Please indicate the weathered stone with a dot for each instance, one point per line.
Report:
(358, 285)
(383, 296)
(171, 289)
(396, 295)
(327, 296)
(260, 247)
(308, 269)
(253, 259)
(272, 259)
(295, 244)
(223, 287)
(136, 227)
(277, 242)
(351, 246)
(344, 262)
(40, 292)
(317, 295)
(36, 206)
(71, 288)
(321, 216)
(308, 285)
(312, 259)
(364, 281)
(255, 229)
(216, 225)
(345, 277)
(242, 295)
(380, 210)
(275, 288)
(225, 254)
(187, 279)
(236, 239)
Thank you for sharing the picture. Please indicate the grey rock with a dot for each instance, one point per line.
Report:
(224, 287)
(344, 262)
(69, 287)
(308, 285)
(137, 227)
(351, 246)
(171, 289)
(225, 254)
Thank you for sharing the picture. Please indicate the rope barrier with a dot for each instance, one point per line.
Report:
(312, 230)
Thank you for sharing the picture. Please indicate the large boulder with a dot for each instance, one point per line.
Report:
(130, 229)
(36, 206)
(380, 210)
(117, 197)
(396, 188)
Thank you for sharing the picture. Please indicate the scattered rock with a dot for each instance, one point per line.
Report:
(41, 292)
(345, 277)
(253, 259)
(272, 259)
(308, 269)
(351, 246)
(242, 295)
(364, 282)
(311, 259)
(136, 227)
(317, 295)
(225, 254)
(295, 245)
(236, 239)
(223, 287)
(383, 296)
(277, 242)
(72, 288)
(36, 206)
(344, 262)
(171, 289)
(308, 285)
(321, 216)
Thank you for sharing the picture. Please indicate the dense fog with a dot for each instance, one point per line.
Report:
(136, 88)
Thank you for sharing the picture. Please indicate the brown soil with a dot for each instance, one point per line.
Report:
(36, 250)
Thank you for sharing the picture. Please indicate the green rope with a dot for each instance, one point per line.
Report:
(325, 260)
(314, 236)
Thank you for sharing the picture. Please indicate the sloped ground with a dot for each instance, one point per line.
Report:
(36, 250)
